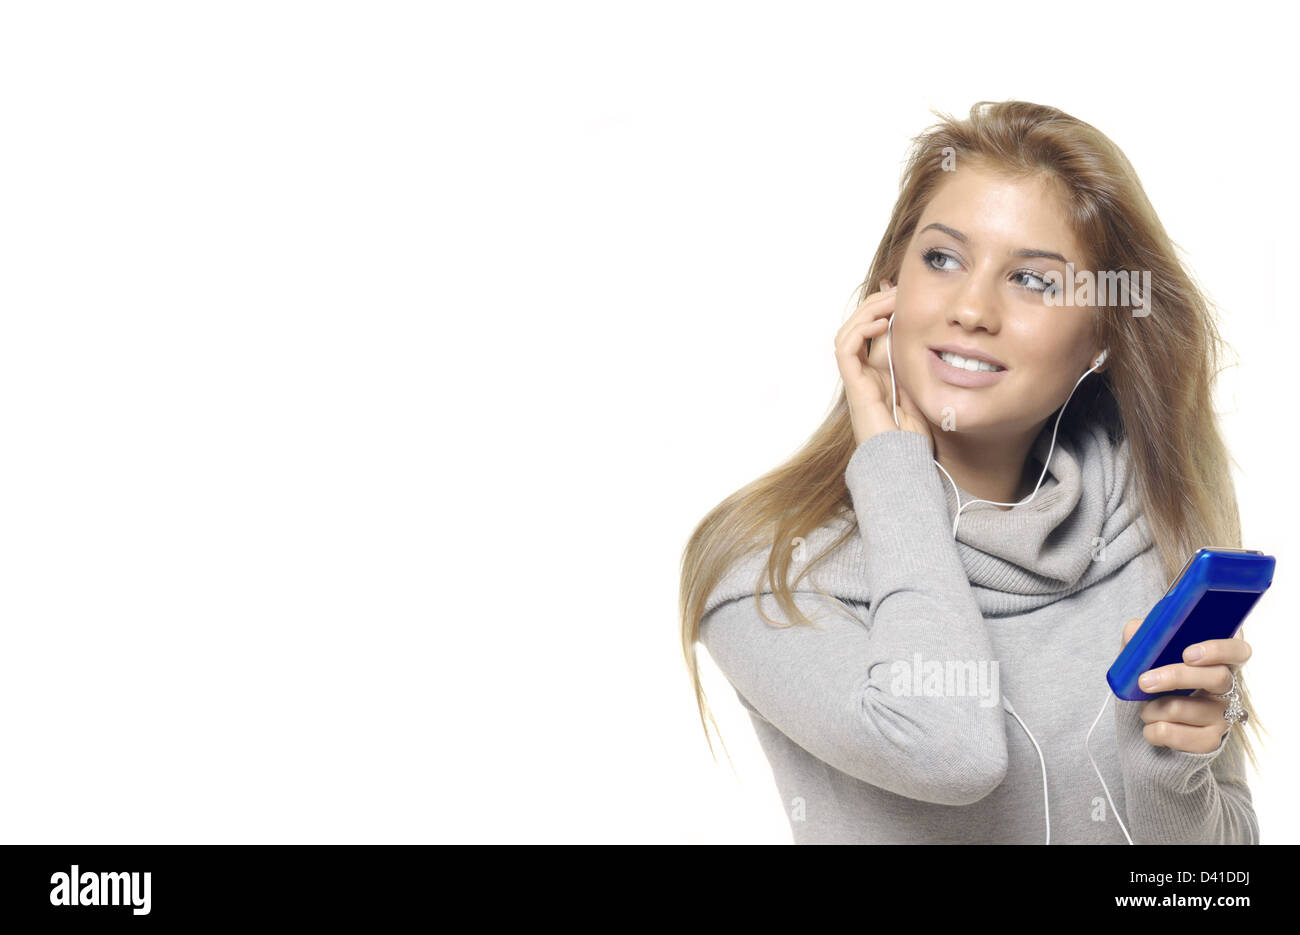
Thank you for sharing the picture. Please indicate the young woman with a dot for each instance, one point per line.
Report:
(1016, 471)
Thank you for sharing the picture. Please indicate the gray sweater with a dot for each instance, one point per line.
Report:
(886, 724)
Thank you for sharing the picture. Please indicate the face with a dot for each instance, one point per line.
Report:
(965, 282)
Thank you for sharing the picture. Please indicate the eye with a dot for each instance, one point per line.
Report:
(1030, 280)
(1039, 284)
(933, 253)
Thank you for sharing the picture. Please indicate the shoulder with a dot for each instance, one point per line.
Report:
(834, 547)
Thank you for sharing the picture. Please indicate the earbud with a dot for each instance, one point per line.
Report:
(1101, 358)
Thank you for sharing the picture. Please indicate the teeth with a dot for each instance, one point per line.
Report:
(967, 364)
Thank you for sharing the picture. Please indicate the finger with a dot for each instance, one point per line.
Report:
(1192, 710)
(849, 345)
(867, 312)
(878, 352)
(874, 306)
(1185, 738)
(1229, 651)
(1213, 678)
(1129, 629)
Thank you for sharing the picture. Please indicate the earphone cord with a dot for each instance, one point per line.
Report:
(1047, 812)
(1006, 702)
(1113, 810)
(957, 496)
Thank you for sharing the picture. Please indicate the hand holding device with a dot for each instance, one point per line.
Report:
(1215, 591)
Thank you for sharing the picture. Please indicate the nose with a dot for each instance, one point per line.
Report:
(975, 305)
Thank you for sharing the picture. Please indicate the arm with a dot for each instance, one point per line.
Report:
(1175, 797)
(836, 690)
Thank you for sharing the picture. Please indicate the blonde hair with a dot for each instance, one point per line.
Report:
(1156, 389)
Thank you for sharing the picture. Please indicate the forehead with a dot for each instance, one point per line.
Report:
(998, 213)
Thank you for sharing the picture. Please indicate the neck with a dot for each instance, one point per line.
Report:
(990, 467)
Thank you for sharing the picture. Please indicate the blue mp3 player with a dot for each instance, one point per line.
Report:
(1213, 594)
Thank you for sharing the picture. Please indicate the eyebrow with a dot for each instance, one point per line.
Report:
(1023, 252)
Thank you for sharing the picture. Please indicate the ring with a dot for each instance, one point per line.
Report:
(1234, 713)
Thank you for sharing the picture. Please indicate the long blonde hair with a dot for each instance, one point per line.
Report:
(1156, 389)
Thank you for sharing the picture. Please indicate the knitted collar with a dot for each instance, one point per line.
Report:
(1082, 525)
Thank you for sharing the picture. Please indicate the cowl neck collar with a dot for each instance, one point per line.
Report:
(1082, 525)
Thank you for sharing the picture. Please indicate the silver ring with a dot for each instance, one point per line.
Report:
(1234, 713)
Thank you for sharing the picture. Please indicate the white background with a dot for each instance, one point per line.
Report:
(365, 366)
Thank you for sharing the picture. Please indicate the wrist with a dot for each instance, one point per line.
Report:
(873, 425)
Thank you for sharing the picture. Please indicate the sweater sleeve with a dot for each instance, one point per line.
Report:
(1176, 797)
(846, 690)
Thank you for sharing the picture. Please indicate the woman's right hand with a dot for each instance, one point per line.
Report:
(867, 384)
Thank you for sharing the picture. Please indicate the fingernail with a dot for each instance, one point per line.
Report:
(1194, 653)
(1150, 680)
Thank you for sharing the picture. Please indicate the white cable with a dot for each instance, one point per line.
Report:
(1113, 810)
(1006, 703)
(1047, 812)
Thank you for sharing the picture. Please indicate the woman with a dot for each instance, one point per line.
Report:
(1009, 482)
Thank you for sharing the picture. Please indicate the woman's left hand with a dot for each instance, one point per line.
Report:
(1192, 723)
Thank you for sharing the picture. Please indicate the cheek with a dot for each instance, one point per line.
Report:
(1042, 390)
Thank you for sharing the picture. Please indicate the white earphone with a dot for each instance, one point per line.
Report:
(1006, 702)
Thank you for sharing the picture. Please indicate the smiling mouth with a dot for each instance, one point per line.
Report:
(967, 363)
(955, 370)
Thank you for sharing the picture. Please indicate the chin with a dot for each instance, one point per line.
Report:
(962, 417)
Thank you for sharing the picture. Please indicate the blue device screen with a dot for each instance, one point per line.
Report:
(1215, 591)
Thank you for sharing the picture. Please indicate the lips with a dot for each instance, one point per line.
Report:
(970, 353)
(958, 376)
